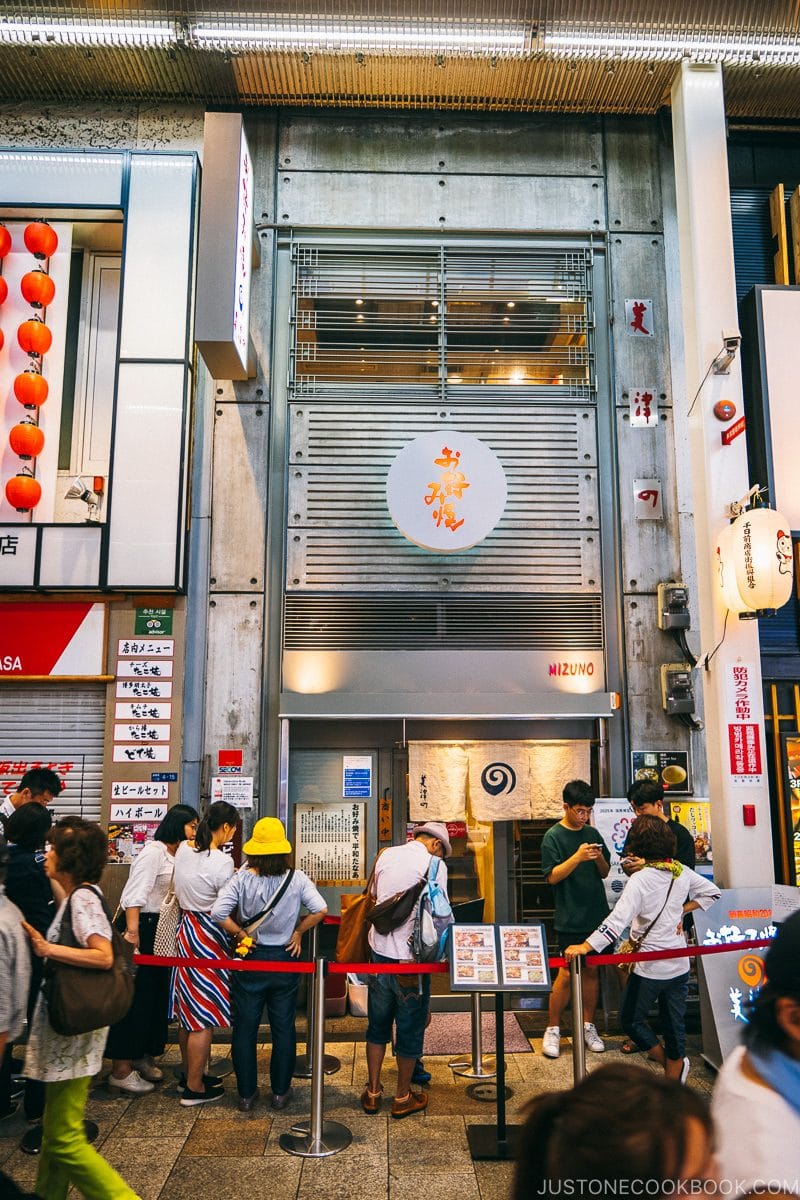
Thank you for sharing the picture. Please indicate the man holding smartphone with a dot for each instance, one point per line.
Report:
(575, 861)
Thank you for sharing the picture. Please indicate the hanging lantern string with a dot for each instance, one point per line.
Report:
(752, 499)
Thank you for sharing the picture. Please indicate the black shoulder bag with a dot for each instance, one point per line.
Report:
(82, 999)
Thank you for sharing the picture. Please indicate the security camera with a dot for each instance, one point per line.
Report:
(78, 490)
(731, 340)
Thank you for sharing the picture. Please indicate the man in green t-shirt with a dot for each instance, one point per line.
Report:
(575, 861)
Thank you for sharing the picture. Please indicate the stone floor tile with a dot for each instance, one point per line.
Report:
(342, 1177)
(158, 1115)
(226, 1134)
(232, 1178)
(406, 1184)
(494, 1179)
(143, 1163)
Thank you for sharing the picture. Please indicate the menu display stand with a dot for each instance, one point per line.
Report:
(498, 958)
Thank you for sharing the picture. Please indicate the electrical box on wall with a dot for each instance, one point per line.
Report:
(677, 689)
(673, 606)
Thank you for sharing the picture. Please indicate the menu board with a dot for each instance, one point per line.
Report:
(499, 958)
(330, 842)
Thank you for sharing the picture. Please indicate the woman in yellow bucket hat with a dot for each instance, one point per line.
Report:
(269, 890)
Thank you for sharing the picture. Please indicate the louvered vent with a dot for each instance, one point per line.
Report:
(556, 624)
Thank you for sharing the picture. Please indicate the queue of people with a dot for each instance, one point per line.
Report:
(50, 874)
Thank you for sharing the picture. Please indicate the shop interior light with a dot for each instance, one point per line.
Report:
(669, 47)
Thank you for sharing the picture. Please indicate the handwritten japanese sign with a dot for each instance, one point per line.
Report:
(139, 791)
(132, 811)
(639, 318)
(141, 754)
(647, 504)
(144, 668)
(643, 404)
(152, 647)
(145, 689)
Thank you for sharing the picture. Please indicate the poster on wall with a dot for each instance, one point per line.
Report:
(126, 839)
(356, 775)
(791, 774)
(744, 717)
(670, 768)
(695, 815)
(330, 842)
(612, 818)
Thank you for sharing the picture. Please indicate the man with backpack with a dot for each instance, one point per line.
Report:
(404, 1000)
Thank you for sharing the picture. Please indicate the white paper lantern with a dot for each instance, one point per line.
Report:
(756, 562)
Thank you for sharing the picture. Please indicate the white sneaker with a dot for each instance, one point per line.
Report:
(132, 1083)
(685, 1069)
(592, 1038)
(148, 1069)
(551, 1042)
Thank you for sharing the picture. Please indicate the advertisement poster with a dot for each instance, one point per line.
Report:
(127, 838)
(744, 712)
(474, 956)
(792, 782)
(330, 842)
(612, 818)
(695, 815)
(522, 955)
(356, 775)
(234, 789)
(670, 768)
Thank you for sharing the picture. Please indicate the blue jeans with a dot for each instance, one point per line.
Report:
(250, 991)
(640, 996)
(400, 999)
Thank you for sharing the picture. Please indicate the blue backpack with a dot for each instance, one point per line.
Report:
(433, 917)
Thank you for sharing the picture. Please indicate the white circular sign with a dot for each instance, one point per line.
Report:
(446, 491)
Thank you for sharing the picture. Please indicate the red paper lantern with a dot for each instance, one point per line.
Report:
(5, 241)
(34, 337)
(26, 440)
(3, 290)
(23, 492)
(37, 288)
(31, 389)
(41, 239)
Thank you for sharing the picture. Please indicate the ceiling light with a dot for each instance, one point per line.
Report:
(87, 33)
(511, 304)
(359, 300)
(273, 32)
(670, 46)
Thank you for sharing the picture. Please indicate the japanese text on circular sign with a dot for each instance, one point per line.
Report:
(446, 491)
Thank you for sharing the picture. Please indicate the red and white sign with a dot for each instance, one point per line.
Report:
(744, 725)
(647, 504)
(52, 639)
(732, 432)
(446, 491)
(69, 771)
(230, 762)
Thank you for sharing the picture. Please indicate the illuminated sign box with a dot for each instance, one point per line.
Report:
(227, 251)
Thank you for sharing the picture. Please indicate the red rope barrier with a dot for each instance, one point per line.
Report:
(441, 968)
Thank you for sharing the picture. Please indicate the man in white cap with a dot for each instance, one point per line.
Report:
(400, 1000)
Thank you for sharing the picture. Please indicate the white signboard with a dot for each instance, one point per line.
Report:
(643, 407)
(141, 733)
(143, 710)
(141, 754)
(133, 811)
(612, 818)
(151, 647)
(233, 789)
(144, 688)
(330, 841)
(144, 668)
(647, 502)
(139, 791)
(446, 491)
(244, 251)
(639, 318)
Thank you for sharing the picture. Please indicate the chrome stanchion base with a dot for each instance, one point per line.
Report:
(299, 1141)
(487, 1069)
(302, 1070)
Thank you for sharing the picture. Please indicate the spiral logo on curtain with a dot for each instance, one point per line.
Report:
(498, 778)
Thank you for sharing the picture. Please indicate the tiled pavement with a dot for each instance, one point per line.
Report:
(166, 1152)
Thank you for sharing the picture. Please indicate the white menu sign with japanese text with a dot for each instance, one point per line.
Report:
(330, 841)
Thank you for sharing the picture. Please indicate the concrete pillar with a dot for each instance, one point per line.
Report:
(742, 854)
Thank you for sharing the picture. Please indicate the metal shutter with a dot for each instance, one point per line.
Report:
(53, 725)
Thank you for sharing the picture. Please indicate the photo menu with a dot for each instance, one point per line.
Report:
(491, 958)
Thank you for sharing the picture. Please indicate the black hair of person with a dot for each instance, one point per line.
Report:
(171, 829)
(619, 1123)
(645, 791)
(577, 791)
(650, 837)
(219, 813)
(39, 780)
(29, 825)
(782, 965)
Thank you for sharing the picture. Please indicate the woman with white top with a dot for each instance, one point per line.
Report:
(267, 884)
(653, 903)
(201, 997)
(141, 1036)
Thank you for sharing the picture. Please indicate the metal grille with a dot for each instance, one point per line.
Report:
(63, 724)
(408, 622)
(442, 321)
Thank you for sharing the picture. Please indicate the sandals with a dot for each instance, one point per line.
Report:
(629, 1047)
(371, 1101)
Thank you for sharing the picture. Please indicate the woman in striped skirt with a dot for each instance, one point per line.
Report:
(201, 997)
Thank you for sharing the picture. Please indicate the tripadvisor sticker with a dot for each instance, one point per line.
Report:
(153, 622)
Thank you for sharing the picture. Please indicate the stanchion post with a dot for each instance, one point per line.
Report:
(330, 1064)
(320, 1138)
(578, 1044)
(475, 1067)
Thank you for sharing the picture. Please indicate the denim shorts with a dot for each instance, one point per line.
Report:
(402, 1000)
